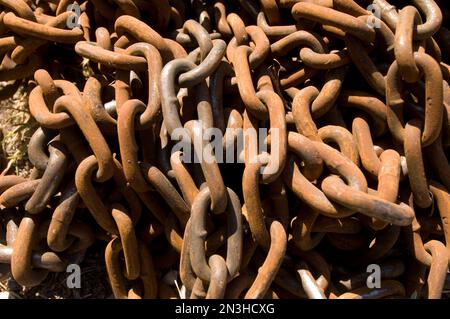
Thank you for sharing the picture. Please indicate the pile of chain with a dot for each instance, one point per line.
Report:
(354, 96)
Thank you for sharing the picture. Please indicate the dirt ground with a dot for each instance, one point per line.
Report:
(16, 126)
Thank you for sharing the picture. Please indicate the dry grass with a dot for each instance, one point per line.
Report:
(17, 126)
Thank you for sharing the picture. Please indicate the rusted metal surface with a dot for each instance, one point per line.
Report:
(349, 167)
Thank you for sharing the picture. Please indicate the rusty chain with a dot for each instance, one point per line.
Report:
(334, 118)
